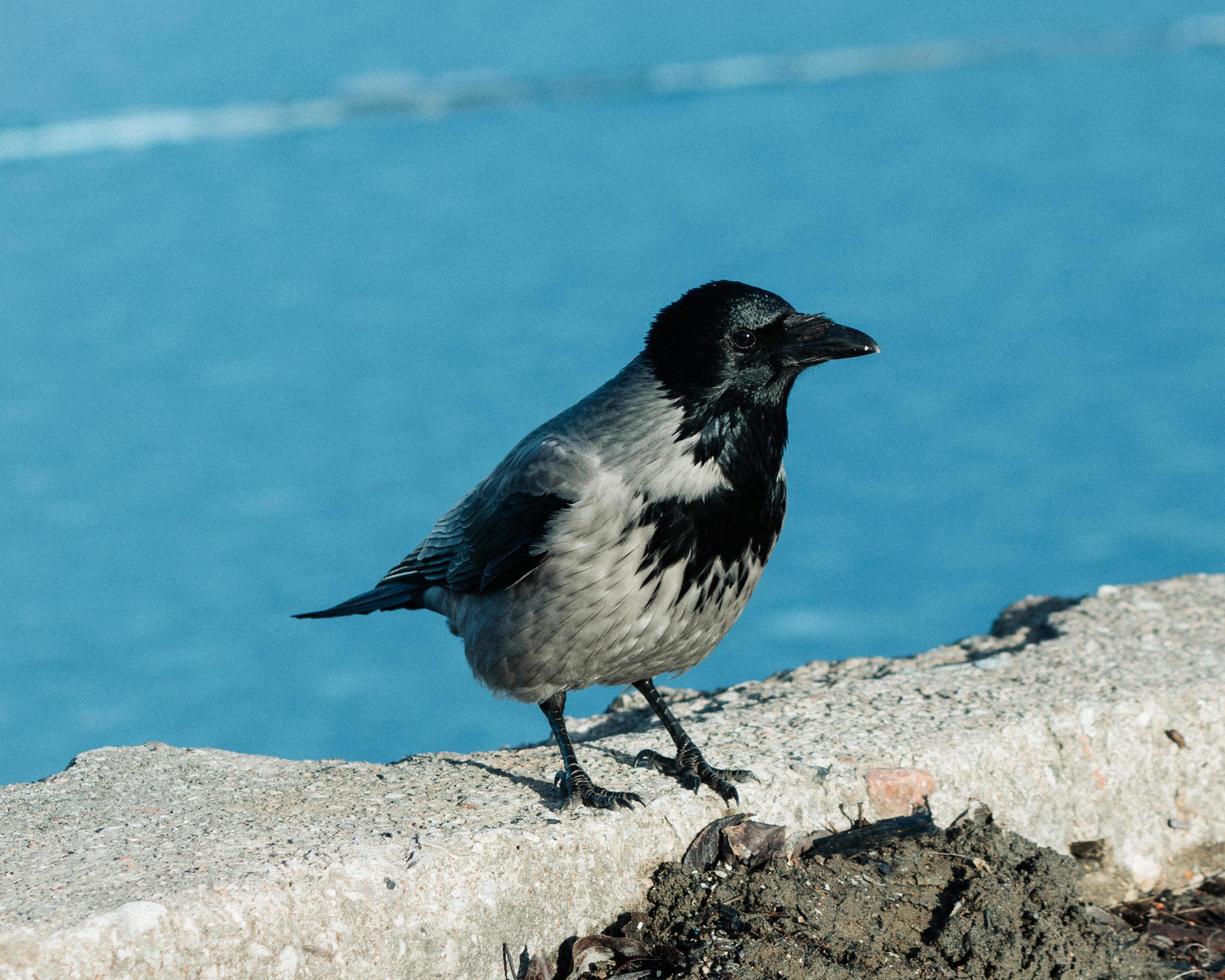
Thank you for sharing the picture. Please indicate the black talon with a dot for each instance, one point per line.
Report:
(579, 786)
(573, 780)
(689, 767)
(656, 760)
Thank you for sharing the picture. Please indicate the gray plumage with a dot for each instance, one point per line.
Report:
(622, 538)
(589, 614)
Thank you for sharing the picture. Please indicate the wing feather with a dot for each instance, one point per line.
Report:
(497, 535)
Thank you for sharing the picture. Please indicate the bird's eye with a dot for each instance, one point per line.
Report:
(744, 339)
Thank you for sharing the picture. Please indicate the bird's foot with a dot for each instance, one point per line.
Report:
(691, 771)
(577, 785)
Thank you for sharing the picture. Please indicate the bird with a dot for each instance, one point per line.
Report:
(622, 538)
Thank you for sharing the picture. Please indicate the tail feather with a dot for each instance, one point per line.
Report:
(390, 595)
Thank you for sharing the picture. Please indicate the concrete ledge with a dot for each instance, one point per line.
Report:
(153, 861)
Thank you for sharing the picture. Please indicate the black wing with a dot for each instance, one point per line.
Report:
(492, 547)
(492, 539)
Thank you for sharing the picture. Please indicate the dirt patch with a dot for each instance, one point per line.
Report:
(897, 900)
(1186, 929)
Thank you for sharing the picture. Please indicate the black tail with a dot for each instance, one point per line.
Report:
(392, 595)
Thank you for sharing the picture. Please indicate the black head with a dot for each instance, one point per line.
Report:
(729, 354)
(730, 341)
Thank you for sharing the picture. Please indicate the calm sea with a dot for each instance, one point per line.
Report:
(245, 360)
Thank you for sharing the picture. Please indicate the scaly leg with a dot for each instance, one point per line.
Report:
(688, 767)
(573, 780)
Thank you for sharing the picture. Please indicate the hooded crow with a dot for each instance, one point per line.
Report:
(622, 538)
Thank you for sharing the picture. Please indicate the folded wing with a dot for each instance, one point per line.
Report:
(493, 538)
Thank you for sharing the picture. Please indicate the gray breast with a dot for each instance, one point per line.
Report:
(643, 572)
(600, 609)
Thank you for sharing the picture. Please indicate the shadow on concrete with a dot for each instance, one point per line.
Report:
(549, 794)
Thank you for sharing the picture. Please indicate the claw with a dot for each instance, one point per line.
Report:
(692, 771)
(714, 779)
(689, 767)
(572, 780)
(655, 760)
(579, 787)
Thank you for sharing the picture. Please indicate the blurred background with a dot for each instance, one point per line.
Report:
(279, 283)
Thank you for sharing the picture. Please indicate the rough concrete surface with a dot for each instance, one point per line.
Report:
(154, 861)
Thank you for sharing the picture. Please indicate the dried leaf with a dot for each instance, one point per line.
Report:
(796, 844)
(588, 951)
(704, 850)
(533, 968)
(538, 969)
(626, 947)
(752, 842)
(860, 839)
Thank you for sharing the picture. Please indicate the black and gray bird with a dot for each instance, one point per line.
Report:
(622, 538)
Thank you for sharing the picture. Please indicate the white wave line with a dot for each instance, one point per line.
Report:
(408, 95)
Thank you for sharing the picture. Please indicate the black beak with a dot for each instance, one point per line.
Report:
(813, 340)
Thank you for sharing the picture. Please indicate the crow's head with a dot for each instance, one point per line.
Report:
(727, 340)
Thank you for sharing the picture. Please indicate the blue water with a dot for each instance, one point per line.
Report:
(240, 378)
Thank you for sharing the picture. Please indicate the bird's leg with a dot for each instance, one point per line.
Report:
(688, 767)
(573, 780)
